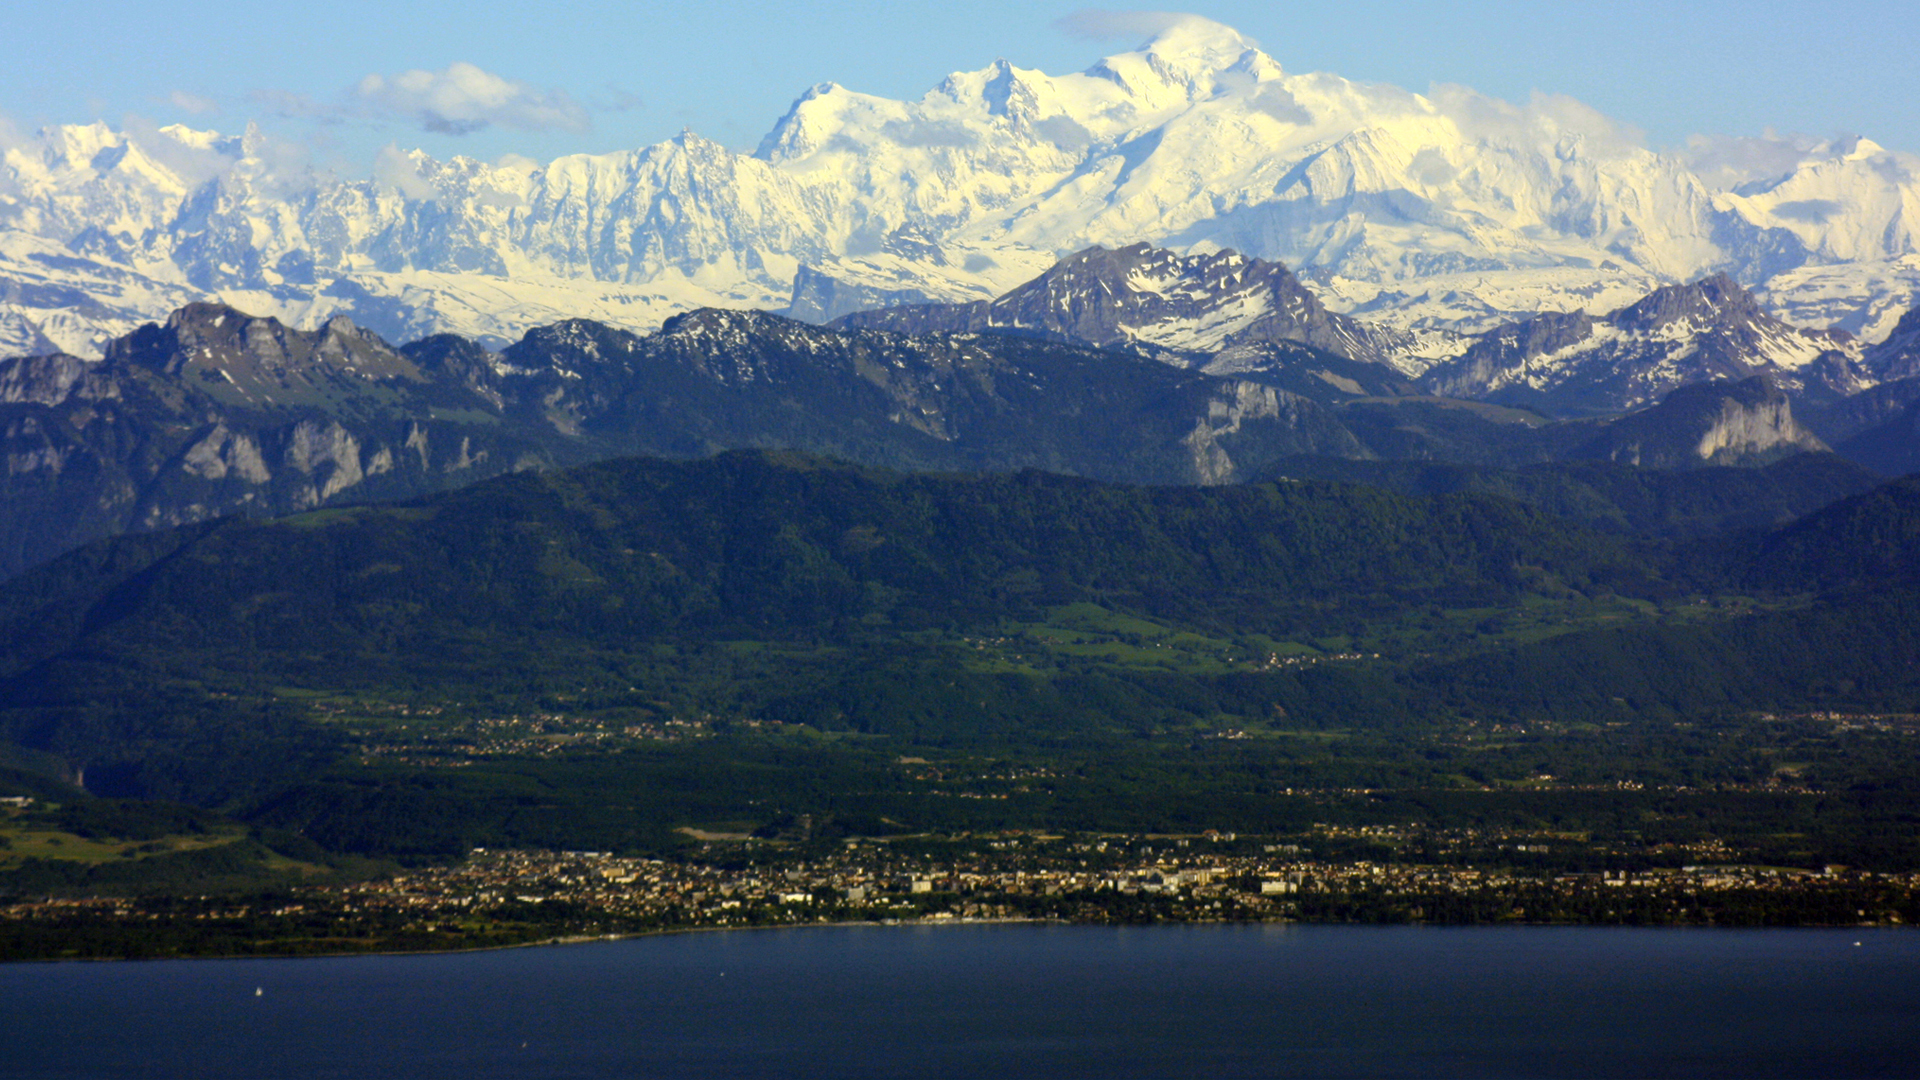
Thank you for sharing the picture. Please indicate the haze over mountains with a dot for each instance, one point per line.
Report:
(1423, 216)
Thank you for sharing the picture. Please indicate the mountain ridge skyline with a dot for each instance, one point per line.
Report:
(1456, 211)
(490, 84)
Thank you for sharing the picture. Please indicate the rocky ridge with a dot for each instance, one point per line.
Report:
(217, 412)
(1154, 301)
(1703, 331)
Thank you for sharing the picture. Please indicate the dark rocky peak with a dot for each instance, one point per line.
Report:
(1716, 300)
(1148, 300)
(1540, 335)
(1097, 291)
(738, 347)
(728, 323)
(1832, 377)
(448, 353)
(1711, 330)
(212, 336)
(339, 340)
(1502, 356)
(726, 345)
(919, 318)
(195, 329)
(463, 362)
(1308, 372)
(573, 339)
(722, 330)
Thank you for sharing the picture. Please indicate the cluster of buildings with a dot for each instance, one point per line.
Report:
(1192, 878)
(506, 896)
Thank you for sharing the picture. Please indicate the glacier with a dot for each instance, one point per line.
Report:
(1424, 215)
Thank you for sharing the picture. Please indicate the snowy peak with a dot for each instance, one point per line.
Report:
(1198, 42)
(1151, 299)
(1426, 215)
(1846, 200)
(1190, 54)
(1706, 331)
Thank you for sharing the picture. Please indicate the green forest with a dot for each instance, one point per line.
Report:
(600, 656)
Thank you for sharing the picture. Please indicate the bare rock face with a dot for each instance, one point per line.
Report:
(1274, 420)
(260, 362)
(1898, 356)
(41, 380)
(222, 452)
(1150, 299)
(218, 412)
(1709, 330)
(1746, 422)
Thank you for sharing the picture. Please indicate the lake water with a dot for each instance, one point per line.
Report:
(1004, 1001)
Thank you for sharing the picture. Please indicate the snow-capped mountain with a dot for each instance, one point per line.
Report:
(216, 412)
(1154, 300)
(1710, 330)
(1226, 314)
(1413, 212)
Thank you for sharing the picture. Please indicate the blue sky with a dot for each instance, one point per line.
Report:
(494, 78)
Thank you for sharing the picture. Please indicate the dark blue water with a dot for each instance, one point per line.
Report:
(1008, 1001)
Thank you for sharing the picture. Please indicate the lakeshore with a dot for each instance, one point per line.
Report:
(496, 899)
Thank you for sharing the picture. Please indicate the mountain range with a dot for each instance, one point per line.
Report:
(1137, 365)
(1422, 218)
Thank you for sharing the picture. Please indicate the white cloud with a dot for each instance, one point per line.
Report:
(1270, 98)
(197, 104)
(393, 168)
(11, 137)
(281, 168)
(1543, 122)
(1103, 25)
(194, 156)
(1723, 162)
(465, 98)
